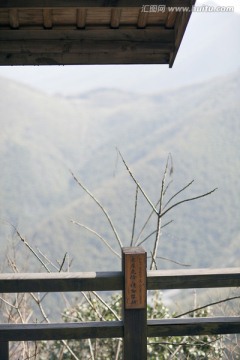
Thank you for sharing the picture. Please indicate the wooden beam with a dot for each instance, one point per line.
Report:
(4, 350)
(191, 279)
(106, 281)
(81, 18)
(77, 3)
(171, 18)
(13, 18)
(142, 19)
(47, 18)
(115, 18)
(181, 23)
(30, 4)
(89, 46)
(151, 35)
(113, 329)
(83, 59)
(60, 282)
(134, 263)
(193, 326)
(61, 331)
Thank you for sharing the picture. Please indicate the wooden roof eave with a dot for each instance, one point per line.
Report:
(49, 41)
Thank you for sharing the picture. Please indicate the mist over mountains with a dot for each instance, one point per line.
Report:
(43, 137)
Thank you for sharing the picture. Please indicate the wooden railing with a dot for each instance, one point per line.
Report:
(134, 281)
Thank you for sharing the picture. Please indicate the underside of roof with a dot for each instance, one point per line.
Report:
(67, 32)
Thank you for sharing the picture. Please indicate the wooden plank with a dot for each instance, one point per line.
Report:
(106, 281)
(60, 282)
(81, 18)
(159, 34)
(181, 23)
(134, 262)
(60, 331)
(47, 18)
(86, 3)
(111, 329)
(115, 18)
(82, 47)
(4, 350)
(190, 279)
(109, 58)
(13, 18)
(70, 3)
(171, 18)
(142, 19)
(193, 326)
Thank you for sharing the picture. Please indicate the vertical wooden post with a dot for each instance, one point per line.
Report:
(134, 266)
(4, 350)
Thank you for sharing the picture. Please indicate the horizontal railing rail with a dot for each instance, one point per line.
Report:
(134, 328)
(111, 281)
(115, 329)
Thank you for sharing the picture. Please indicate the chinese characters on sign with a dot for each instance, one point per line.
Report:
(135, 281)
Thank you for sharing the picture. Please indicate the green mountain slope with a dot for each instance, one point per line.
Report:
(43, 137)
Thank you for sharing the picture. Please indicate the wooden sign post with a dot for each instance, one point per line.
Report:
(134, 265)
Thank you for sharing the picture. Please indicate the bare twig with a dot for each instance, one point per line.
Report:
(177, 193)
(98, 235)
(63, 261)
(159, 222)
(134, 216)
(208, 305)
(30, 248)
(173, 261)
(101, 207)
(153, 232)
(186, 200)
(137, 183)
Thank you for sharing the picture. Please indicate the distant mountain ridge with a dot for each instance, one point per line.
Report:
(42, 137)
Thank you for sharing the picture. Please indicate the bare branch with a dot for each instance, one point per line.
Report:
(98, 235)
(173, 261)
(63, 261)
(30, 248)
(190, 199)
(101, 207)
(177, 193)
(137, 183)
(159, 222)
(206, 306)
(135, 215)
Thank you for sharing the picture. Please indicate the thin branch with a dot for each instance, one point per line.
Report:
(46, 258)
(98, 235)
(177, 193)
(190, 199)
(63, 261)
(153, 232)
(31, 249)
(206, 306)
(135, 215)
(101, 207)
(173, 261)
(106, 305)
(201, 343)
(159, 222)
(137, 183)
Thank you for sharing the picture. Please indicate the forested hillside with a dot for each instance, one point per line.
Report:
(43, 137)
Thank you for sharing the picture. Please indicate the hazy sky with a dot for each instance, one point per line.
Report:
(90, 77)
